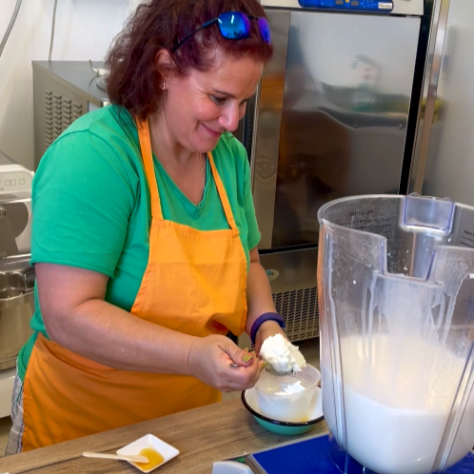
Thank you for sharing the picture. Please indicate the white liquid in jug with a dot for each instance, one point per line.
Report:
(398, 395)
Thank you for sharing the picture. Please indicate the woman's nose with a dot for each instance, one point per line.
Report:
(230, 119)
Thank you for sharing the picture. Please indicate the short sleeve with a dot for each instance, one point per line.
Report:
(83, 196)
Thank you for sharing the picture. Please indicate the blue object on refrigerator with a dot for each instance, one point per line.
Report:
(313, 456)
(380, 6)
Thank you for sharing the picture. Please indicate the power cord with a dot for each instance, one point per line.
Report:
(53, 27)
(10, 26)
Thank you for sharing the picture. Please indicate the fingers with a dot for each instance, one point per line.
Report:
(239, 356)
(247, 374)
(220, 363)
(242, 377)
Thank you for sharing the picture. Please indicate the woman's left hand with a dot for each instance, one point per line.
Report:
(267, 329)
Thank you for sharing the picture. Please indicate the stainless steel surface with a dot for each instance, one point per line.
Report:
(341, 125)
(292, 276)
(431, 44)
(408, 7)
(331, 120)
(6, 160)
(102, 75)
(16, 275)
(445, 143)
(62, 92)
(400, 7)
(246, 128)
(77, 76)
(267, 128)
(16, 307)
(14, 217)
(430, 94)
(286, 4)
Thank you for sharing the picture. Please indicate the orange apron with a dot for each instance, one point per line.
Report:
(195, 283)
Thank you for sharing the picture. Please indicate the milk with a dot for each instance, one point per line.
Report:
(397, 396)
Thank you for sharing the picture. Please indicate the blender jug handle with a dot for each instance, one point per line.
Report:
(427, 214)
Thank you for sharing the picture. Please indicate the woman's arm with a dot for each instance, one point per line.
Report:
(259, 300)
(77, 317)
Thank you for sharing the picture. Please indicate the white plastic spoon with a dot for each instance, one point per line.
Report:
(131, 458)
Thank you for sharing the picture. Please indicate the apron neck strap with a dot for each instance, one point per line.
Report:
(147, 157)
(222, 194)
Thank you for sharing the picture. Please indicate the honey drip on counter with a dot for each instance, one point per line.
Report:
(154, 459)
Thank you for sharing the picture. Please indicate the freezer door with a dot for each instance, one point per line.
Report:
(333, 121)
(266, 133)
(443, 163)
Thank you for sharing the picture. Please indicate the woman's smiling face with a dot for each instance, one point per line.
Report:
(200, 106)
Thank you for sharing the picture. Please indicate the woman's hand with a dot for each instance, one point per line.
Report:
(267, 329)
(210, 360)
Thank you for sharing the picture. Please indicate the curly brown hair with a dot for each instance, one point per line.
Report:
(134, 78)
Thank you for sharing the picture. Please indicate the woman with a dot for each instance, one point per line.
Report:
(144, 233)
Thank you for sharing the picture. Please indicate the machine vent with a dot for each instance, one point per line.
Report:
(299, 308)
(59, 113)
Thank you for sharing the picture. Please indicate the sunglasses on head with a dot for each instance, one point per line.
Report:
(234, 25)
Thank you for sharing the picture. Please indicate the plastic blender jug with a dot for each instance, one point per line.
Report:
(396, 303)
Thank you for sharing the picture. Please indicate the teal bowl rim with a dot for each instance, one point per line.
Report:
(276, 422)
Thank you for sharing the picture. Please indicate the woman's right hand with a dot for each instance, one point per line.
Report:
(210, 360)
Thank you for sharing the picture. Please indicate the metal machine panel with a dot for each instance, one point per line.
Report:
(397, 7)
(62, 92)
(332, 121)
(292, 276)
(267, 126)
(443, 164)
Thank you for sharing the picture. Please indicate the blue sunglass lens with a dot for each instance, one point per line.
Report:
(234, 25)
(265, 30)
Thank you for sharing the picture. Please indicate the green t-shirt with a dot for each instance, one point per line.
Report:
(91, 205)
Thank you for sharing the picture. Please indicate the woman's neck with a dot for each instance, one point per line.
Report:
(186, 168)
(164, 145)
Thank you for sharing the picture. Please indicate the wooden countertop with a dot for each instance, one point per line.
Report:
(202, 435)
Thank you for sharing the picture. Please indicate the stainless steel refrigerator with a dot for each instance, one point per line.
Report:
(335, 115)
(443, 164)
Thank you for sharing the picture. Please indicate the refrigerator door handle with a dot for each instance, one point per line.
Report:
(430, 94)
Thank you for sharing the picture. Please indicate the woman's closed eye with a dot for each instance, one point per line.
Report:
(218, 99)
(221, 100)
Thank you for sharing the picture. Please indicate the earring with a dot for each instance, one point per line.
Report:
(163, 86)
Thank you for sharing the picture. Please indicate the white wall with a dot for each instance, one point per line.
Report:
(450, 165)
(84, 30)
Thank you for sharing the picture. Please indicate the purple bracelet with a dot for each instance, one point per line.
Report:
(261, 319)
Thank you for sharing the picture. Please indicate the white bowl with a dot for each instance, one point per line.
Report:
(149, 441)
(289, 407)
(250, 401)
